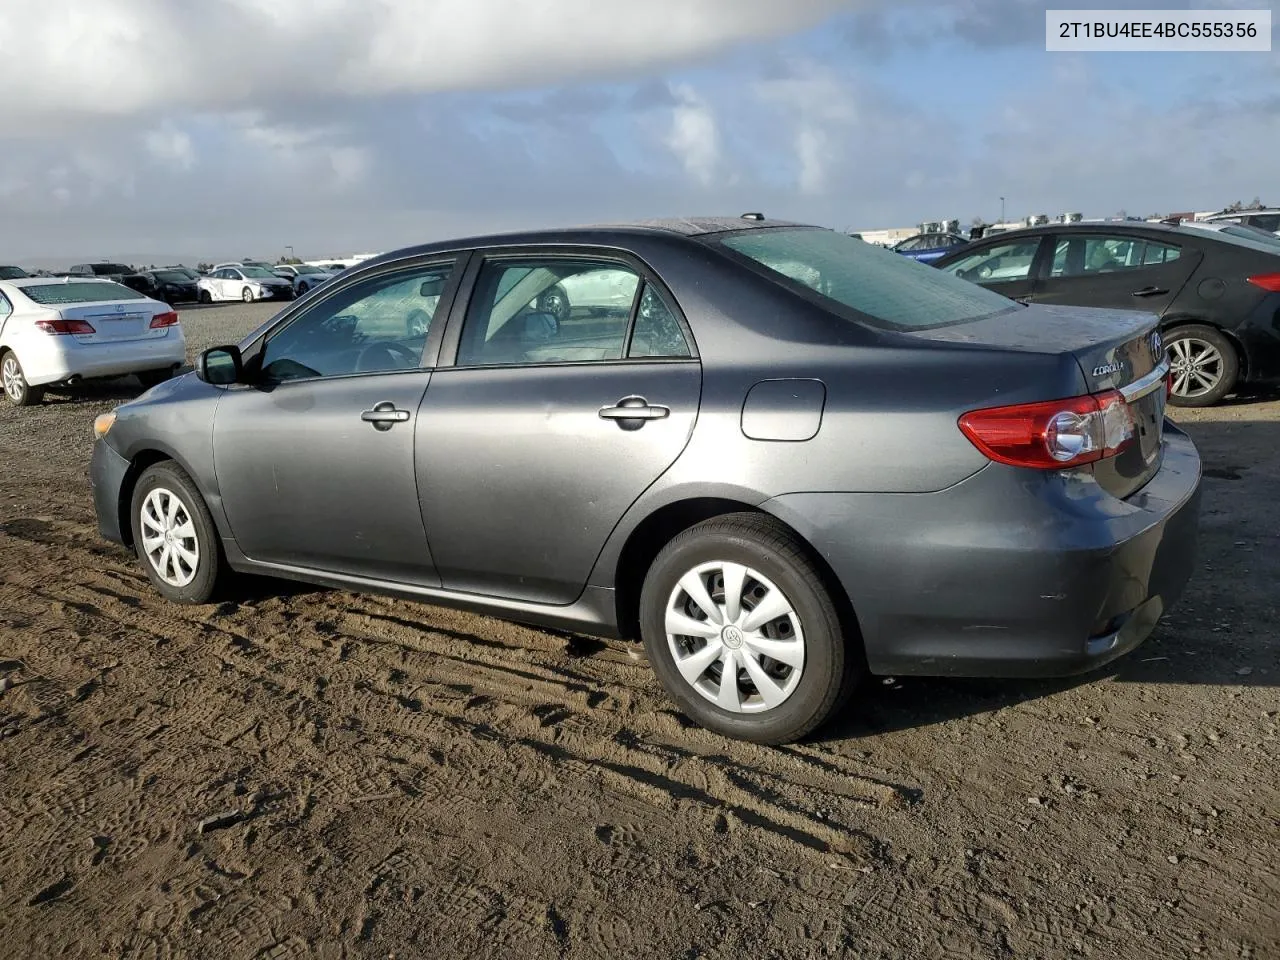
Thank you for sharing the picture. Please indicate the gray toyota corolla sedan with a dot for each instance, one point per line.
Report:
(782, 457)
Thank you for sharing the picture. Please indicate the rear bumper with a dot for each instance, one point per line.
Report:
(1260, 336)
(107, 471)
(1008, 573)
(58, 359)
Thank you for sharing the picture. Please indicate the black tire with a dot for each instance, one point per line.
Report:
(1196, 338)
(830, 668)
(246, 295)
(555, 301)
(151, 378)
(169, 478)
(205, 296)
(302, 290)
(13, 382)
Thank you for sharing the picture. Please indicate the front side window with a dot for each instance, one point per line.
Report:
(548, 310)
(1266, 221)
(1003, 263)
(379, 325)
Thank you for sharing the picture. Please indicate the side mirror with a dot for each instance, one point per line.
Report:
(220, 366)
(432, 287)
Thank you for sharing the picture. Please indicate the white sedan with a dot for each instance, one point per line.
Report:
(243, 283)
(59, 331)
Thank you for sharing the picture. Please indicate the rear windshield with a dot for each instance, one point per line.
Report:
(1255, 238)
(172, 276)
(886, 288)
(12, 273)
(53, 294)
(104, 269)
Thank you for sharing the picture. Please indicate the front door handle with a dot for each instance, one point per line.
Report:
(1149, 291)
(633, 412)
(384, 415)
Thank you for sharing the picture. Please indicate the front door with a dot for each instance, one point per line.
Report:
(315, 456)
(575, 387)
(1127, 272)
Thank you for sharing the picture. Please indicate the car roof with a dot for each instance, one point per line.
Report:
(598, 234)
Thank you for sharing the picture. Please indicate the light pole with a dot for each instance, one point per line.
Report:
(1002, 209)
(290, 249)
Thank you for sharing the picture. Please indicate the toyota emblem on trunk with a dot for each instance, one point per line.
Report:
(1157, 345)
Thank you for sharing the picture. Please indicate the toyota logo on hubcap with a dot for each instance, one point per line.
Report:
(732, 637)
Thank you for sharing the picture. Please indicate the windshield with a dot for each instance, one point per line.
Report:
(12, 273)
(258, 273)
(108, 268)
(887, 289)
(172, 276)
(52, 294)
(307, 268)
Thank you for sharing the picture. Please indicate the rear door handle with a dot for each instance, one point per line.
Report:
(384, 415)
(1149, 291)
(632, 412)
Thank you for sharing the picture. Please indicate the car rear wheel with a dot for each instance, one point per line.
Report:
(1204, 364)
(16, 389)
(205, 296)
(302, 289)
(174, 535)
(246, 295)
(742, 632)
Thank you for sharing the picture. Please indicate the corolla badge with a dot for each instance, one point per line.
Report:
(1106, 368)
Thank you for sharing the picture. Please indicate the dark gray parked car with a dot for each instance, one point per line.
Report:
(780, 456)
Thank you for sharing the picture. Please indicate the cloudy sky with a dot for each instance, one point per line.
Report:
(217, 128)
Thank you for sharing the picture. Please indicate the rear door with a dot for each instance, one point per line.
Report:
(1125, 271)
(574, 386)
(1007, 265)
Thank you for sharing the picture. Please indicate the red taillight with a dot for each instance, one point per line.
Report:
(1267, 281)
(1053, 434)
(164, 320)
(64, 326)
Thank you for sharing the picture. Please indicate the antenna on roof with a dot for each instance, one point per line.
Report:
(753, 216)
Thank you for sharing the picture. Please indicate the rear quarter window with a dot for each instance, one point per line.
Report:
(883, 288)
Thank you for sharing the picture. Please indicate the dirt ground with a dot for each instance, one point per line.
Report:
(301, 772)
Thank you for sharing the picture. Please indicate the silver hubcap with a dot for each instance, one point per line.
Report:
(248, 295)
(735, 637)
(11, 373)
(1197, 367)
(169, 537)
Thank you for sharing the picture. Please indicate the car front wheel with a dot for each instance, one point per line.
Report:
(742, 632)
(174, 535)
(16, 389)
(246, 295)
(1204, 365)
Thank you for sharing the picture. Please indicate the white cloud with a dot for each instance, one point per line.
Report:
(820, 107)
(694, 136)
(64, 59)
(172, 146)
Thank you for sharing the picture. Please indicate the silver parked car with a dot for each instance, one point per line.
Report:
(781, 457)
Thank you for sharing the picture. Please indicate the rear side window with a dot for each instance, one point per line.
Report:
(884, 287)
(53, 294)
(1000, 263)
(1085, 256)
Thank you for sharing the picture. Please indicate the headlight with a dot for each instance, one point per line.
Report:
(102, 423)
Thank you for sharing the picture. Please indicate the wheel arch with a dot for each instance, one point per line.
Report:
(661, 526)
(138, 463)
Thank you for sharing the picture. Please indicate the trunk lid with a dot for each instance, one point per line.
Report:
(1115, 350)
(115, 321)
